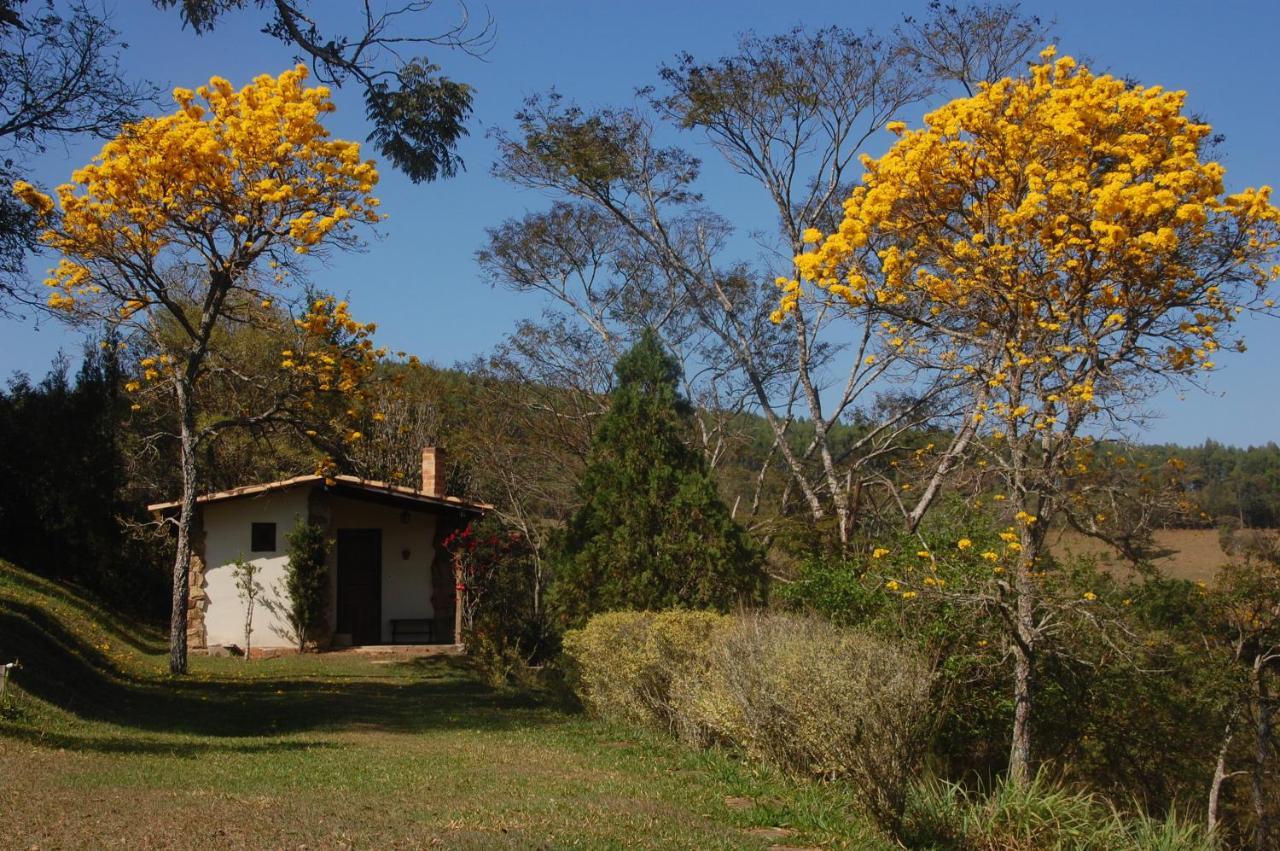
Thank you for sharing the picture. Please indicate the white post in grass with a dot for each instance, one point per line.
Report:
(4, 674)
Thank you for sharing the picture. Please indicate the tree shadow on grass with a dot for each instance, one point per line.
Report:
(141, 638)
(111, 743)
(436, 694)
(433, 693)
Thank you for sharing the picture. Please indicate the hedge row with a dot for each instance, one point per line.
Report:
(797, 692)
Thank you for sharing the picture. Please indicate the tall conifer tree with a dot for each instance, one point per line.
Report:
(650, 530)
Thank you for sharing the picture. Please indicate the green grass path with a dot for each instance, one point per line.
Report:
(100, 749)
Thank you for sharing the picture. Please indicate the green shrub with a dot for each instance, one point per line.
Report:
(1168, 834)
(624, 663)
(964, 641)
(506, 634)
(797, 692)
(813, 699)
(650, 530)
(499, 663)
(1126, 694)
(306, 582)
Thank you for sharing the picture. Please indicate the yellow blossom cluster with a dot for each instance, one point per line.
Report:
(228, 176)
(1038, 236)
(334, 367)
(336, 354)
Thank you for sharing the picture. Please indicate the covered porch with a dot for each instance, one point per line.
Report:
(392, 583)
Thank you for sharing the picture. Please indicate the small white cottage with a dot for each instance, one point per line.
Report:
(390, 581)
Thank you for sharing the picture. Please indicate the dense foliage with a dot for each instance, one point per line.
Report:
(1146, 683)
(68, 493)
(305, 596)
(650, 530)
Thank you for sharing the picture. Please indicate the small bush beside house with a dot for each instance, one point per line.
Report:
(504, 626)
(306, 581)
(250, 589)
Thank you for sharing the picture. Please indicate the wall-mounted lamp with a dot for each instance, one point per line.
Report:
(404, 554)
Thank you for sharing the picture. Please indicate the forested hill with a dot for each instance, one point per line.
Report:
(88, 461)
(1223, 482)
(1228, 481)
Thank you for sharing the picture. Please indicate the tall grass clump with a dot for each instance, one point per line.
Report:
(1041, 815)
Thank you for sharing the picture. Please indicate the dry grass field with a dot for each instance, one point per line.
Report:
(1193, 553)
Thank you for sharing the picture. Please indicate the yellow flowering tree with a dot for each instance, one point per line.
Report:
(1061, 244)
(190, 221)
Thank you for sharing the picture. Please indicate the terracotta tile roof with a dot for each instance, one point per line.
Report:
(349, 485)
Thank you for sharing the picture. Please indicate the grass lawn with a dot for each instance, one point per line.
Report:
(100, 748)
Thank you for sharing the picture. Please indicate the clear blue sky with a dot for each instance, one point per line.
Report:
(418, 279)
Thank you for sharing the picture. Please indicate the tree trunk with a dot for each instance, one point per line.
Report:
(1024, 646)
(248, 626)
(1262, 748)
(1220, 775)
(186, 522)
(1023, 693)
(459, 600)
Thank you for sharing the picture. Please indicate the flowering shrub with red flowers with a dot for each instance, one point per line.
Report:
(494, 568)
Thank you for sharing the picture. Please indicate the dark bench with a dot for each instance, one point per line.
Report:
(412, 630)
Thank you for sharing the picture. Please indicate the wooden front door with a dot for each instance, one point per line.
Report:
(360, 584)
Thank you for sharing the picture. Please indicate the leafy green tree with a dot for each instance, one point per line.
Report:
(650, 530)
(418, 114)
(68, 510)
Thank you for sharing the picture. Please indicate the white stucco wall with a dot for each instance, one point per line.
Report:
(227, 528)
(406, 582)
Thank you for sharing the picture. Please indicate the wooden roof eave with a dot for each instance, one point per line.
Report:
(346, 486)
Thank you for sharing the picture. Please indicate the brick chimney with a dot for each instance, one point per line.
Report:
(433, 471)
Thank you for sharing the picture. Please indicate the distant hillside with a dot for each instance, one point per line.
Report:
(1194, 554)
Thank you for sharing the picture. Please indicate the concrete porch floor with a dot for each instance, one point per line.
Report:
(402, 650)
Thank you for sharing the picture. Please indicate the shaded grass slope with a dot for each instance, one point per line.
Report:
(100, 747)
